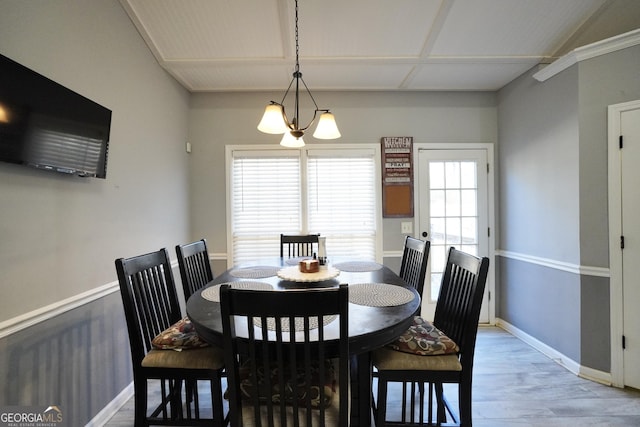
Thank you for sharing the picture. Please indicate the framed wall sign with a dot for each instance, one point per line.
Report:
(397, 176)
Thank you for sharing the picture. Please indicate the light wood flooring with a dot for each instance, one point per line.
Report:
(515, 385)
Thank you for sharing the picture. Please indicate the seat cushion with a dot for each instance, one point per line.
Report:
(179, 336)
(322, 389)
(422, 338)
(211, 357)
(386, 359)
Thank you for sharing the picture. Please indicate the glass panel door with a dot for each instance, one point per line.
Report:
(453, 212)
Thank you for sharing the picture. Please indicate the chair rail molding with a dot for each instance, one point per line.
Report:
(31, 318)
(218, 256)
(392, 254)
(47, 312)
(584, 270)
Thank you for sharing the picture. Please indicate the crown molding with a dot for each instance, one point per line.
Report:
(589, 51)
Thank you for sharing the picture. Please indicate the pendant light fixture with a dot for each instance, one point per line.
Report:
(275, 120)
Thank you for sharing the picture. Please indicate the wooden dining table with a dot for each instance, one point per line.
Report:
(381, 308)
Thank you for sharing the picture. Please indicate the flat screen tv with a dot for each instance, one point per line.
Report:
(47, 126)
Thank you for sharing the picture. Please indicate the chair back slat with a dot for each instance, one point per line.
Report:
(292, 246)
(149, 298)
(460, 299)
(413, 267)
(194, 265)
(283, 333)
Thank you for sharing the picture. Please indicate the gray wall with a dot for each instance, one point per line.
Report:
(538, 163)
(218, 119)
(78, 360)
(541, 301)
(539, 208)
(59, 235)
(604, 80)
(553, 203)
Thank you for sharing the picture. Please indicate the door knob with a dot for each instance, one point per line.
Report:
(425, 234)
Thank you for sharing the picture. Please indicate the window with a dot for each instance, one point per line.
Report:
(454, 214)
(327, 190)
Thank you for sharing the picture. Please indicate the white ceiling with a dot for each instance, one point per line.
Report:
(417, 45)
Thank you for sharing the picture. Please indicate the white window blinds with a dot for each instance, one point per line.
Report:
(342, 201)
(265, 201)
(322, 190)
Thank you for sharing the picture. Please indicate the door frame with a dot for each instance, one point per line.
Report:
(489, 147)
(615, 231)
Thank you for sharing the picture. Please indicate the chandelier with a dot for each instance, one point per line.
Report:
(276, 121)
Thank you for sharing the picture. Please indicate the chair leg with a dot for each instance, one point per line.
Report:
(464, 399)
(403, 418)
(413, 401)
(191, 393)
(421, 394)
(381, 404)
(140, 402)
(416, 392)
(175, 389)
(430, 407)
(217, 406)
(441, 416)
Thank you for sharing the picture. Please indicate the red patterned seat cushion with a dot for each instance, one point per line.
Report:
(424, 339)
(181, 335)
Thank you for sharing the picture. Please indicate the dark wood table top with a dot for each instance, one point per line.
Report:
(370, 327)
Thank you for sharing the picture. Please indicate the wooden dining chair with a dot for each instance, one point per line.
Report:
(292, 246)
(154, 321)
(282, 368)
(443, 350)
(194, 265)
(413, 270)
(413, 267)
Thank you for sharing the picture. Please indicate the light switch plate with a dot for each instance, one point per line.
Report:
(406, 227)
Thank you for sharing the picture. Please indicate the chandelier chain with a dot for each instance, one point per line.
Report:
(269, 124)
(297, 40)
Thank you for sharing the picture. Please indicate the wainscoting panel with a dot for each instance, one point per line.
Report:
(564, 307)
(78, 360)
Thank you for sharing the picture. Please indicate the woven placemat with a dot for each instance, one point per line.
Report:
(212, 293)
(258, 272)
(298, 323)
(358, 266)
(379, 294)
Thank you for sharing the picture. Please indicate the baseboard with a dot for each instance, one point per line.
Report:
(112, 408)
(596, 375)
(553, 354)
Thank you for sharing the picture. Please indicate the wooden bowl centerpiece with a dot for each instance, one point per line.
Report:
(309, 266)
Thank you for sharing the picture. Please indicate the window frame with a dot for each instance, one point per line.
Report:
(338, 149)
